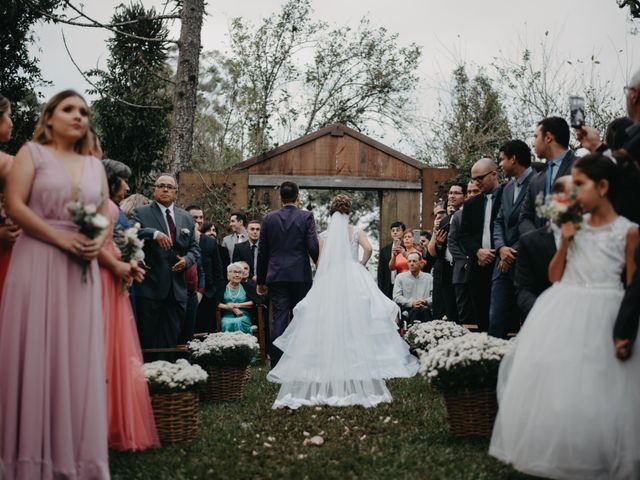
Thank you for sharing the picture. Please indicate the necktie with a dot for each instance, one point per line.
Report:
(172, 226)
(254, 256)
(547, 187)
(486, 230)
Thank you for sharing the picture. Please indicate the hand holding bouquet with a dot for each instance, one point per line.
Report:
(92, 224)
(560, 209)
(131, 250)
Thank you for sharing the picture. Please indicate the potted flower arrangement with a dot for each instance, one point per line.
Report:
(465, 370)
(174, 398)
(227, 357)
(422, 337)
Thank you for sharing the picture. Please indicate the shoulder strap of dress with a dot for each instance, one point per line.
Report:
(35, 149)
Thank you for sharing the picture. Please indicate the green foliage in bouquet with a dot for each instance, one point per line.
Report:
(230, 349)
(467, 362)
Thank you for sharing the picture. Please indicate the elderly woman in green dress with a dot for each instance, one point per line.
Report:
(237, 300)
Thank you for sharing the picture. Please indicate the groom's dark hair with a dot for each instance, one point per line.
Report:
(288, 192)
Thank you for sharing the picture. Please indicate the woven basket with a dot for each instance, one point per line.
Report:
(225, 384)
(176, 415)
(471, 413)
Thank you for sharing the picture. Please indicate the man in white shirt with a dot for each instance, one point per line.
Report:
(412, 290)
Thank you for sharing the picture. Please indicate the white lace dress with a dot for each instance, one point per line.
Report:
(343, 340)
(568, 408)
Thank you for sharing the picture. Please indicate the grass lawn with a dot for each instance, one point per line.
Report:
(405, 439)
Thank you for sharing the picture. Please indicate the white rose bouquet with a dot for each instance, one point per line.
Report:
(231, 349)
(422, 337)
(467, 362)
(130, 246)
(165, 376)
(91, 223)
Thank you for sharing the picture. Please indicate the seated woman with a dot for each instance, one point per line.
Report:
(238, 298)
(398, 262)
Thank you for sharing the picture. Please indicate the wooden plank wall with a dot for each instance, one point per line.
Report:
(195, 185)
(398, 206)
(432, 180)
(329, 155)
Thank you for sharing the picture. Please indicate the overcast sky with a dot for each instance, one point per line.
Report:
(473, 31)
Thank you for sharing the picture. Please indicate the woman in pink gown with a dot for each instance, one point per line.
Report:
(130, 416)
(8, 230)
(53, 412)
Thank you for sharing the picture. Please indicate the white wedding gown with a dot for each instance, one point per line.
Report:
(568, 408)
(342, 341)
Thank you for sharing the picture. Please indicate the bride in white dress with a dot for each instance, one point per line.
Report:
(567, 407)
(342, 341)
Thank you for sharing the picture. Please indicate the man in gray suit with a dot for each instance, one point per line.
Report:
(551, 142)
(237, 222)
(170, 249)
(515, 160)
(459, 275)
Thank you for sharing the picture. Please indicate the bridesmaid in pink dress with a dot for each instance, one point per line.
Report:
(130, 416)
(53, 412)
(8, 230)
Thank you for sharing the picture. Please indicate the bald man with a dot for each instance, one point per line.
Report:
(476, 237)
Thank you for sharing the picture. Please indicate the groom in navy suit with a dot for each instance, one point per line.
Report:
(515, 160)
(287, 239)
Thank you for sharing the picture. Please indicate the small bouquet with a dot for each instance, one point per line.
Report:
(91, 224)
(559, 208)
(130, 246)
(165, 376)
(467, 362)
(422, 337)
(229, 349)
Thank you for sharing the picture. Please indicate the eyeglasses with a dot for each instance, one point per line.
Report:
(626, 89)
(165, 186)
(480, 178)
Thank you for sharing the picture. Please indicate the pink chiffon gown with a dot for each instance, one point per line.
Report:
(53, 412)
(131, 422)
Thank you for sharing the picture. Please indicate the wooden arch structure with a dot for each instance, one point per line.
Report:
(339, 158)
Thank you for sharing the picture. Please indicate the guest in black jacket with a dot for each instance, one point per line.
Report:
(248, 251)
(386, 276)
(626, 328)
(476, 237)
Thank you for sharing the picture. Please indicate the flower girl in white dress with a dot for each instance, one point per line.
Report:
(342, 341)
(567, 407)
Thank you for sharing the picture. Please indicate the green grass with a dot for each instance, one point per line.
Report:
(405, 439)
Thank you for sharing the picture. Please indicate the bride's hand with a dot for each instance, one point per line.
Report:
(623, 348)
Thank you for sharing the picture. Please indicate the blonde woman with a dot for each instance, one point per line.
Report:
(53, 412)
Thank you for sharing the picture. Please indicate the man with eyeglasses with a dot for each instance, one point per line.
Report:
(551, 142)
(476, 237)
(170, 249)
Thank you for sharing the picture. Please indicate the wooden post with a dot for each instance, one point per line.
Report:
(432, 179)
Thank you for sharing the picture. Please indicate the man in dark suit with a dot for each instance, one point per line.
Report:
(515, 160)
(214, 278)
(287, 239)
(443, 289)
(248, 251)
(551, 141)
(459, 274)
(170, 249)
(386, 276)
(535, 251)
(476, 237)
(626, 328)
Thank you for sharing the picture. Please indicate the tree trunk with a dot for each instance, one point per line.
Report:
(184, 97)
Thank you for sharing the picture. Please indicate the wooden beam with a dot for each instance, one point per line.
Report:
(332, 182)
